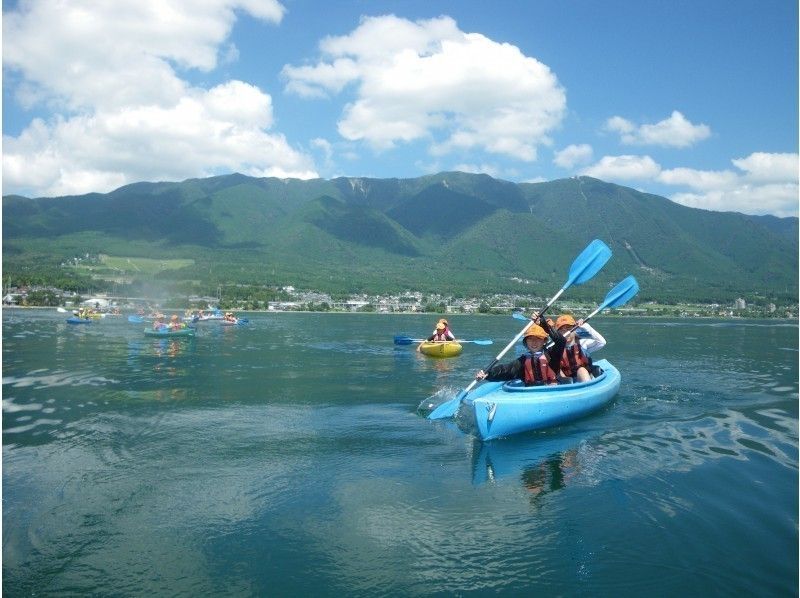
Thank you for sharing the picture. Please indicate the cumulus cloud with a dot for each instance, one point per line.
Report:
(427, 80)
(124, 113)
(762, 183)
(572, 155)
(765, 184)
(769, 168)
(624, 168)
(675, 131)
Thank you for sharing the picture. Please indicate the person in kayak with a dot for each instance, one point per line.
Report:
(175, 323)
(158, 323)
(447, 330)
(540, 366)
(229, 317)
(582, 341)
(441, 333)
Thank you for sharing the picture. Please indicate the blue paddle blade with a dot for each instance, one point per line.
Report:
(588, 263)
(403, 340)
(448, 408)
(481, 342)
(622, 293)
(518, 315)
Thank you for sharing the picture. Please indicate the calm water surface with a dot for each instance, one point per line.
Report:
(286, 457)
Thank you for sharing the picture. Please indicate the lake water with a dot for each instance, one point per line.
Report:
(286, 457)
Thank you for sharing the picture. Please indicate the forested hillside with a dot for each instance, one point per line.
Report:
(452, 232)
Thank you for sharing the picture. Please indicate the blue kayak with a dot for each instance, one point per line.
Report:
(166, 333)
(497, 409)
(76, 320)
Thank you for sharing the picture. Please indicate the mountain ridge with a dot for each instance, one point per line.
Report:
(451, 231)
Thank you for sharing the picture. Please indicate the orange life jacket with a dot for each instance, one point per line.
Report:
(574, 358)
(537, 371)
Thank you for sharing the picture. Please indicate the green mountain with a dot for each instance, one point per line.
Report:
(452, 232)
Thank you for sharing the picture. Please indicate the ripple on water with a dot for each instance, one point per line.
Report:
(59, 378)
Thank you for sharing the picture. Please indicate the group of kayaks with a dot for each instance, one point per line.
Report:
(185, 330)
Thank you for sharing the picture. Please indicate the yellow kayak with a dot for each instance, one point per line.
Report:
(441, 348)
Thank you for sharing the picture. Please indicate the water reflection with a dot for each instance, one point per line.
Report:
(551, 474)
(533, 458)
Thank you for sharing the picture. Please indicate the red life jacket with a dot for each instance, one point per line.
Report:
(441, 337)
(537, 371)
(574, 358)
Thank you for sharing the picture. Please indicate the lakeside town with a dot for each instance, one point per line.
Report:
(411, 302)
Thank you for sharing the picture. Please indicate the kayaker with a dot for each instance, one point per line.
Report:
(582, 340)
(540, 366)
(175, 323)
(442, 332)
(158, 323)
(229, 317)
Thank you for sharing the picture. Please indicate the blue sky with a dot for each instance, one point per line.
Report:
(695, 100)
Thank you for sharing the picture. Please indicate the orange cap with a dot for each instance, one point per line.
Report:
(536, 331)
(565, 320)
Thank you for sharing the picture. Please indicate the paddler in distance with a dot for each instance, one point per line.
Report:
(440, 334)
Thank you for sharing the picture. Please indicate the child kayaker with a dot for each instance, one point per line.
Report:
(441, 332)
(175, 323)
(540, 366)
(582, 340)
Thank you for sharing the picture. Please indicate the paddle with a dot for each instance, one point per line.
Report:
(61, 310)
(585, 266)
(407, 340)
(619, 295)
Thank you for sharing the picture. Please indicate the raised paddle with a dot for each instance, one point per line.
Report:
(407, 340)
(619, 295)
(585, 266)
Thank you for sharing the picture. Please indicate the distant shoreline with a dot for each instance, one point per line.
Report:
(439, 314)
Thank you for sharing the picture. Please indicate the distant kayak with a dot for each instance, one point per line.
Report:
(185, 332)
(497, 409)
(75, 320)
(440, 349)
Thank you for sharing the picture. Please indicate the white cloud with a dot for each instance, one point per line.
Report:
(778, 200)
(125, 114)
(763, 167)
(427, 80)
(699, 180)
(489, 169)
(205, 133)
(765, 183)
(624, 168)
(573, 155)
(675, 131)
(768, 184)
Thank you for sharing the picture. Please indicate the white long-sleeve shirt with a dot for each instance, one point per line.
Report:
(590, 339)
